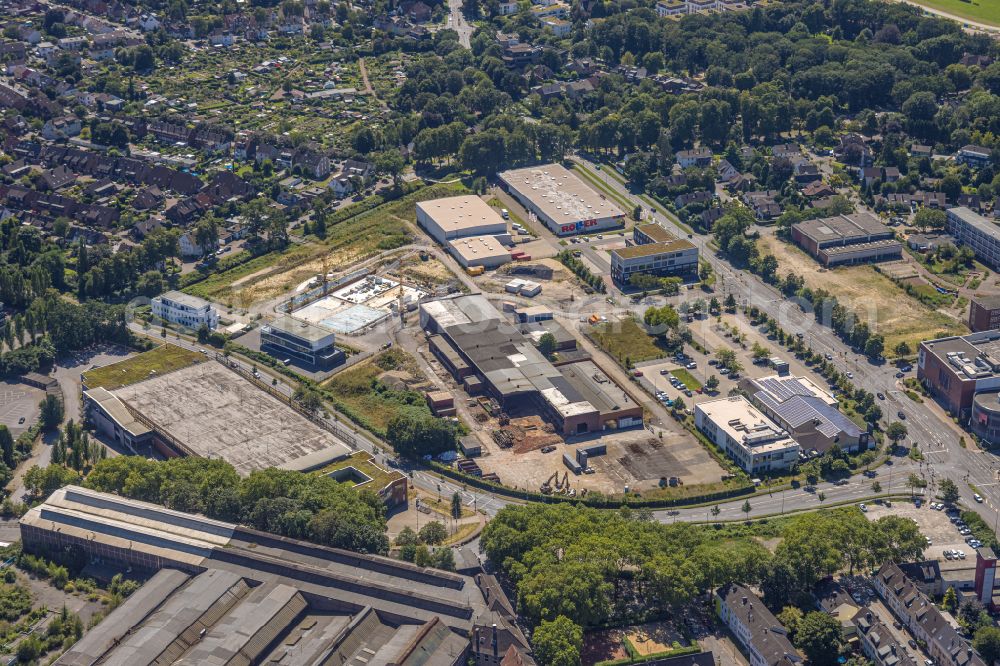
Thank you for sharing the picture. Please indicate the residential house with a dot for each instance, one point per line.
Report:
(311, 162)
(227, 186)
(58, 178)
(974, 156)
(697, 157)
(726, 171)
(61, 128)
(690, 198)
(760, 635)
(818, 188)
(670, 8)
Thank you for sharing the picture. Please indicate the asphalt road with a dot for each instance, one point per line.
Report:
(936, 436)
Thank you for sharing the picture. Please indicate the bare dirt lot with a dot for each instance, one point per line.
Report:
(874, 297)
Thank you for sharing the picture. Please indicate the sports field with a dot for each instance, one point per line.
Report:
(981, 11)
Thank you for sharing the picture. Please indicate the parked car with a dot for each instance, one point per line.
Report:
(863, 507)
(548, 449)
(901, 414)
(978, 498)
(881, 396)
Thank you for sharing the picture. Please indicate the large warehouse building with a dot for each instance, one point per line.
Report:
(224, 594)
(459, 217)
(847, 239)
(470, 229)
(211, 411)
(561, 200)
(475, 344)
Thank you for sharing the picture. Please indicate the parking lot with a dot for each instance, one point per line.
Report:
(19, 406)
(936, 526)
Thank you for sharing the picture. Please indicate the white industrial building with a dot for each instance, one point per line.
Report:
(459, 217)
(485, 251)
(561, 200)
(190, 311)
(746, 435)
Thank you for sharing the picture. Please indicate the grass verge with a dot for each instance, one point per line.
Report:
(687, 378)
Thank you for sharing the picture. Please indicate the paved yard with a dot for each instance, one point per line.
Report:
(19, 406)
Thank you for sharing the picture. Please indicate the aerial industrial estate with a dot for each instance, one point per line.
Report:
(500, 333)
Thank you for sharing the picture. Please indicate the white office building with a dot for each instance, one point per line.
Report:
(184, 310)
(746, 435)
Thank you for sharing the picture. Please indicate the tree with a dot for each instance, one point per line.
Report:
(712, 383)
(7, 447)
(950, 604)
(547, 344)
(986, 642)
(558, 642)
(819, 637)
(420, 435)
(407, 537)
(746, 508)
(903, 348)
(930, 218)
(791, 617)
(896, 432)
(725, 356)
(308, 398)
(51, 412)
(456, 506)
(443, 558)
(876, 487)
(433, 533)
(949, 491)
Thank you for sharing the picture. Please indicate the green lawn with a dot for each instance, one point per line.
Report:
(626, 339)
(984, 11)
(161, 360)
(687, 378)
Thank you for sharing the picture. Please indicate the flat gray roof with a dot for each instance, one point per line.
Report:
(461, 213)
(218, 414)
(300, 329)
(843, 227)
(557, 192)
(974, 220)
(184, 299)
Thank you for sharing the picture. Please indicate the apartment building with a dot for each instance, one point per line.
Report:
(185, 310)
